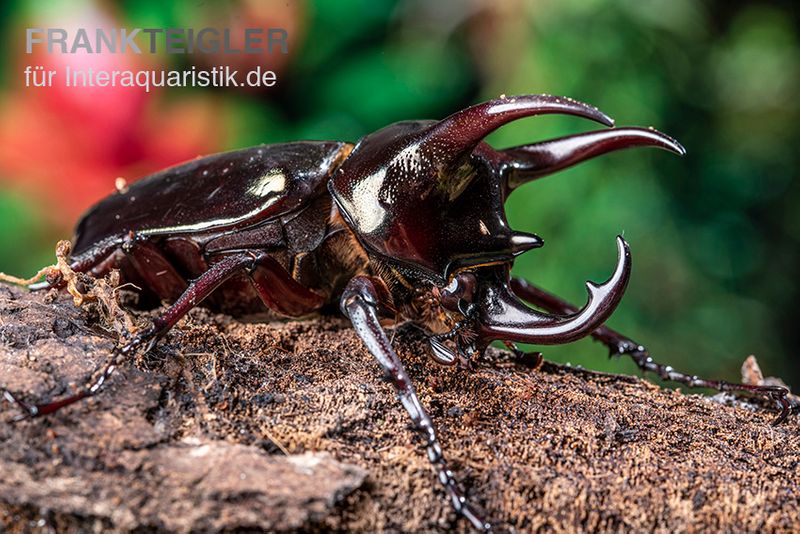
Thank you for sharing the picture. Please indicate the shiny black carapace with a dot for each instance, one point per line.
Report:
(409, 223)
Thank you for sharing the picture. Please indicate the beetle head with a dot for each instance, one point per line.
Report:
(427, 197)
(417, 204)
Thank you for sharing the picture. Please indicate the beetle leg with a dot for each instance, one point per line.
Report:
(360, 303)
(528, 359)
(157, 272)
(279, 291)
(198, 290)
(100, 377)
(619, 344)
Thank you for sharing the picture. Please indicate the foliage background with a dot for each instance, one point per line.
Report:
(715, 235)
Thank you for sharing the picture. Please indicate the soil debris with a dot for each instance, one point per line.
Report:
(287, 425)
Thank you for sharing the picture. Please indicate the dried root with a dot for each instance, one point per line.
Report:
(11, 279)
(84, 288)
(56, 275)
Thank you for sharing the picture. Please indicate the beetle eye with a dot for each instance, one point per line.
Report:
(458, 293)
(467, 283)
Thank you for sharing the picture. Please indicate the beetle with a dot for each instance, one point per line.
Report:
(408, 223)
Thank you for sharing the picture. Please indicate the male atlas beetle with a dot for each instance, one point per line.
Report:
(409, 223)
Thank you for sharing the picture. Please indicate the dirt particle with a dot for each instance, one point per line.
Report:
(455, 411)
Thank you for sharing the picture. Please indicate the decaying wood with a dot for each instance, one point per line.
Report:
(286, 425)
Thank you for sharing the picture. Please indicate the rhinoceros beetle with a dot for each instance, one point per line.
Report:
(408, 223)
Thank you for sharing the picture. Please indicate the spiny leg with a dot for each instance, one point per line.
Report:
(528, 359)
(91, 388)
(360, 303)
(619, 344)
(198, 290)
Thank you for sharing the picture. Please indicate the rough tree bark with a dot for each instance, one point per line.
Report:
(286, 425)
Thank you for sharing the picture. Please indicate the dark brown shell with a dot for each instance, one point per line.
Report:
(219, 192)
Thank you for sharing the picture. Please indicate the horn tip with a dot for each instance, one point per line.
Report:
(522, 242)
(623, 249)
(666, 142)
(622, 270)
(669, 143)
(606, 120)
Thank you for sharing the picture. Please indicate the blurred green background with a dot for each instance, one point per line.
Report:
(715, 235)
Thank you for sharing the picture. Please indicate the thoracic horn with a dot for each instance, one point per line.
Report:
(459, 134)
(530, 162)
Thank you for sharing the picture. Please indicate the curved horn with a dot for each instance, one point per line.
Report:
(461, 132)
(530, 162)
(507, 318)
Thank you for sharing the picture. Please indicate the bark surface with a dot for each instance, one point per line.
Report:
(286, 425)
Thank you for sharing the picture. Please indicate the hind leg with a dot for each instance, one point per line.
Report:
(619, 344)
(198, 290)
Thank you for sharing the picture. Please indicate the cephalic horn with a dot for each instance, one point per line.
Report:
(459, 134)
(529, 162)
(507, 318)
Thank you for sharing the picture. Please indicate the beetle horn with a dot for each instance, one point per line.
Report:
(505, 317)
(523, 242)
(530, 162)
(461, 132)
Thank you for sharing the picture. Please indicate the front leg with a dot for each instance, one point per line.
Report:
(360, 303)
(619, 344)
